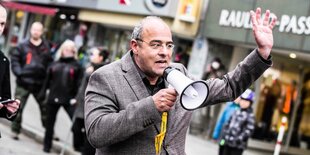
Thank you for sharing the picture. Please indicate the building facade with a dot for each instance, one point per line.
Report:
(283, 90)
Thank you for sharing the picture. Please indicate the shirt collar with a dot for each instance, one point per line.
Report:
(159, 82)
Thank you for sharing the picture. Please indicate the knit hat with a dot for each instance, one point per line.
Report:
(248, 95)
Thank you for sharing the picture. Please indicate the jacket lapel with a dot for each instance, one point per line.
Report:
(133, 78)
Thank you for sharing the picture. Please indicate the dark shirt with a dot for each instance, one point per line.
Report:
(152, 89)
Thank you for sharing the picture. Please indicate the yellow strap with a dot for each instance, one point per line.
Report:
(160, 137)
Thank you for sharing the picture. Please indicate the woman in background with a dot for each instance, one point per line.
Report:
(63, 79)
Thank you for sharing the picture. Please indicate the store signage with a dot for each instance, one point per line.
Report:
(289, 24)
(188, 10)
(159, 3)
(156, 6)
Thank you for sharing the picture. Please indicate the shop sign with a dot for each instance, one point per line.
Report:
(289, 24)
(159, 3)
(188, 10)
(156, 6)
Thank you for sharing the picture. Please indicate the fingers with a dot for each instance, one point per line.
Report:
(256, 19)
(165, 99)
(258, 12)
(13, 107)
(266, 18)
(253, 19)
(273, 22)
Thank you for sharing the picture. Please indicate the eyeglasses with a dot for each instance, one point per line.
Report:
(157, 44)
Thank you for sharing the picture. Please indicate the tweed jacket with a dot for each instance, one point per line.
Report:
(121, 117)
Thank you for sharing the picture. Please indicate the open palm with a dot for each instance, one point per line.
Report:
(263, 32)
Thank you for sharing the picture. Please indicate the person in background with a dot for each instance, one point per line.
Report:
(215, 69)
(30, 60)
(130, 110)
(97, 59)
(10, 109)
(240, 127)
(181, 56)
(230, 108)
(62, 81)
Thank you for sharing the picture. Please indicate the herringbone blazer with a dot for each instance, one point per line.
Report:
(121, 117)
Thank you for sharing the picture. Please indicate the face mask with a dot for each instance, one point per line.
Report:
(215, 65)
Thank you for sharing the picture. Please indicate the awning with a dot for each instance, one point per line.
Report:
(110, 18)
(30, 8)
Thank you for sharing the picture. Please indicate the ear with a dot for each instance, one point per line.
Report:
(134, 46)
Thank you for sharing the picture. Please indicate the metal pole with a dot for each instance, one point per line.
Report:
(280, 136)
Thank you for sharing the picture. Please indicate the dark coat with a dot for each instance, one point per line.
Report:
(29, 64)
(5, 85)
(239, 128)
(63, 80)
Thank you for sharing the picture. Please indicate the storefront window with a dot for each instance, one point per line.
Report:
(280, 97)
(182, 51)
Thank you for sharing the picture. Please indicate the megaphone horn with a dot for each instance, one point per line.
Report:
(192, 93)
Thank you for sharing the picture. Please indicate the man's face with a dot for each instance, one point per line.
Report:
(3, 16)
(153, 51)
(36, 31)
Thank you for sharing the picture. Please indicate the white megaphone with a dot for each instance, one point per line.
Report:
(192, 93)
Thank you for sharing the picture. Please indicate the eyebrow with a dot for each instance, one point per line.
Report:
(159, 41)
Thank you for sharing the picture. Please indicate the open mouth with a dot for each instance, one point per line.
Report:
(161, 61)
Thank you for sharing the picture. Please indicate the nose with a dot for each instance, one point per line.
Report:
(164, 50)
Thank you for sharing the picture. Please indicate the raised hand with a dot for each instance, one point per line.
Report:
(262, 31)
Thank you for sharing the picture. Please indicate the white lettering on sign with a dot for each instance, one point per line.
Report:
(289, 24)
(294, 24)
(234, 18)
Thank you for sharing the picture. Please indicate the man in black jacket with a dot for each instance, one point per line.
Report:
(30, 60)
(9, 109)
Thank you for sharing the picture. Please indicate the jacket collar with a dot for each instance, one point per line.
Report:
(133, 77)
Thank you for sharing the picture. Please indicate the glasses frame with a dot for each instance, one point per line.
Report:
(157, 45)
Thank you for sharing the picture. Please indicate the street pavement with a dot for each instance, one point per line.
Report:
(25, 146)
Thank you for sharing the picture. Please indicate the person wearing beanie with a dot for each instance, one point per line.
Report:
(239, 127)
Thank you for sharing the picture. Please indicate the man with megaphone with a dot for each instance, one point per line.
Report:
(129, 108)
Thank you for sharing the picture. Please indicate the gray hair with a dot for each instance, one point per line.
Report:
(137, 31)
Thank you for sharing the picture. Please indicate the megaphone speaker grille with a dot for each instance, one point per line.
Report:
(189, 102)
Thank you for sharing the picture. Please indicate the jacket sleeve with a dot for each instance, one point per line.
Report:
(46, 84)
(16, 58)
(6, 85)
(237, 81)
